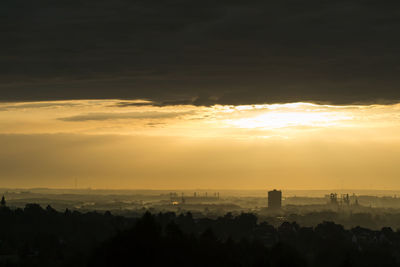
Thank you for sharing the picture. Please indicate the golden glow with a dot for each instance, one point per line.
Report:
(271, 120)
(132, 144)
(110, 117)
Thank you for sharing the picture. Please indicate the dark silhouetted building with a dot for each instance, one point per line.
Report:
(3, 202)
(333, 199)
(274, 199)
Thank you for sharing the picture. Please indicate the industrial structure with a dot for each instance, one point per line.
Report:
(343, 201)
(196, 198)
(275, 199)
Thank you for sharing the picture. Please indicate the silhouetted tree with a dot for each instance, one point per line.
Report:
(34, 236)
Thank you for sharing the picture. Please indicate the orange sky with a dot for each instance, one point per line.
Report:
(132, 144)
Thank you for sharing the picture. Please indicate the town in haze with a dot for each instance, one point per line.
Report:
(89, 227)
(371, 209)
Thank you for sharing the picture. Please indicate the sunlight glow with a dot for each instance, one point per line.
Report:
(277, 119)
(140, 117)
(245, 146)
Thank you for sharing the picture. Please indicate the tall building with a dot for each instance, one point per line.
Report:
(275, 199)
(3, 202)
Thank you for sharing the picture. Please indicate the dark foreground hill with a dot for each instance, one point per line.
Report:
(44, 237)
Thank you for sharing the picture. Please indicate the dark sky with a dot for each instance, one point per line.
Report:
(201, 52)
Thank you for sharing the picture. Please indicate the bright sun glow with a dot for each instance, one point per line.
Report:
(247, 146)
(130, 118)
(273, 120)
(275, 116)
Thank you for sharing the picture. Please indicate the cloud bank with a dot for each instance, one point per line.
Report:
(201, 52)
(126, 115)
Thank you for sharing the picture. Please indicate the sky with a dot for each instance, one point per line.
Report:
(200, 94)
(114, 144)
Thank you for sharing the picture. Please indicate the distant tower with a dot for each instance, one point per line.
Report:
(333, 199)
(274, 199)
(3, 202)
(346, 199)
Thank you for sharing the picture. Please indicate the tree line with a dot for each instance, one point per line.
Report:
(34, 236)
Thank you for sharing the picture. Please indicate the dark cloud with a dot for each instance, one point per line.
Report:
(201, 52)
(33, 105)
(127, 115)
(124, 104)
